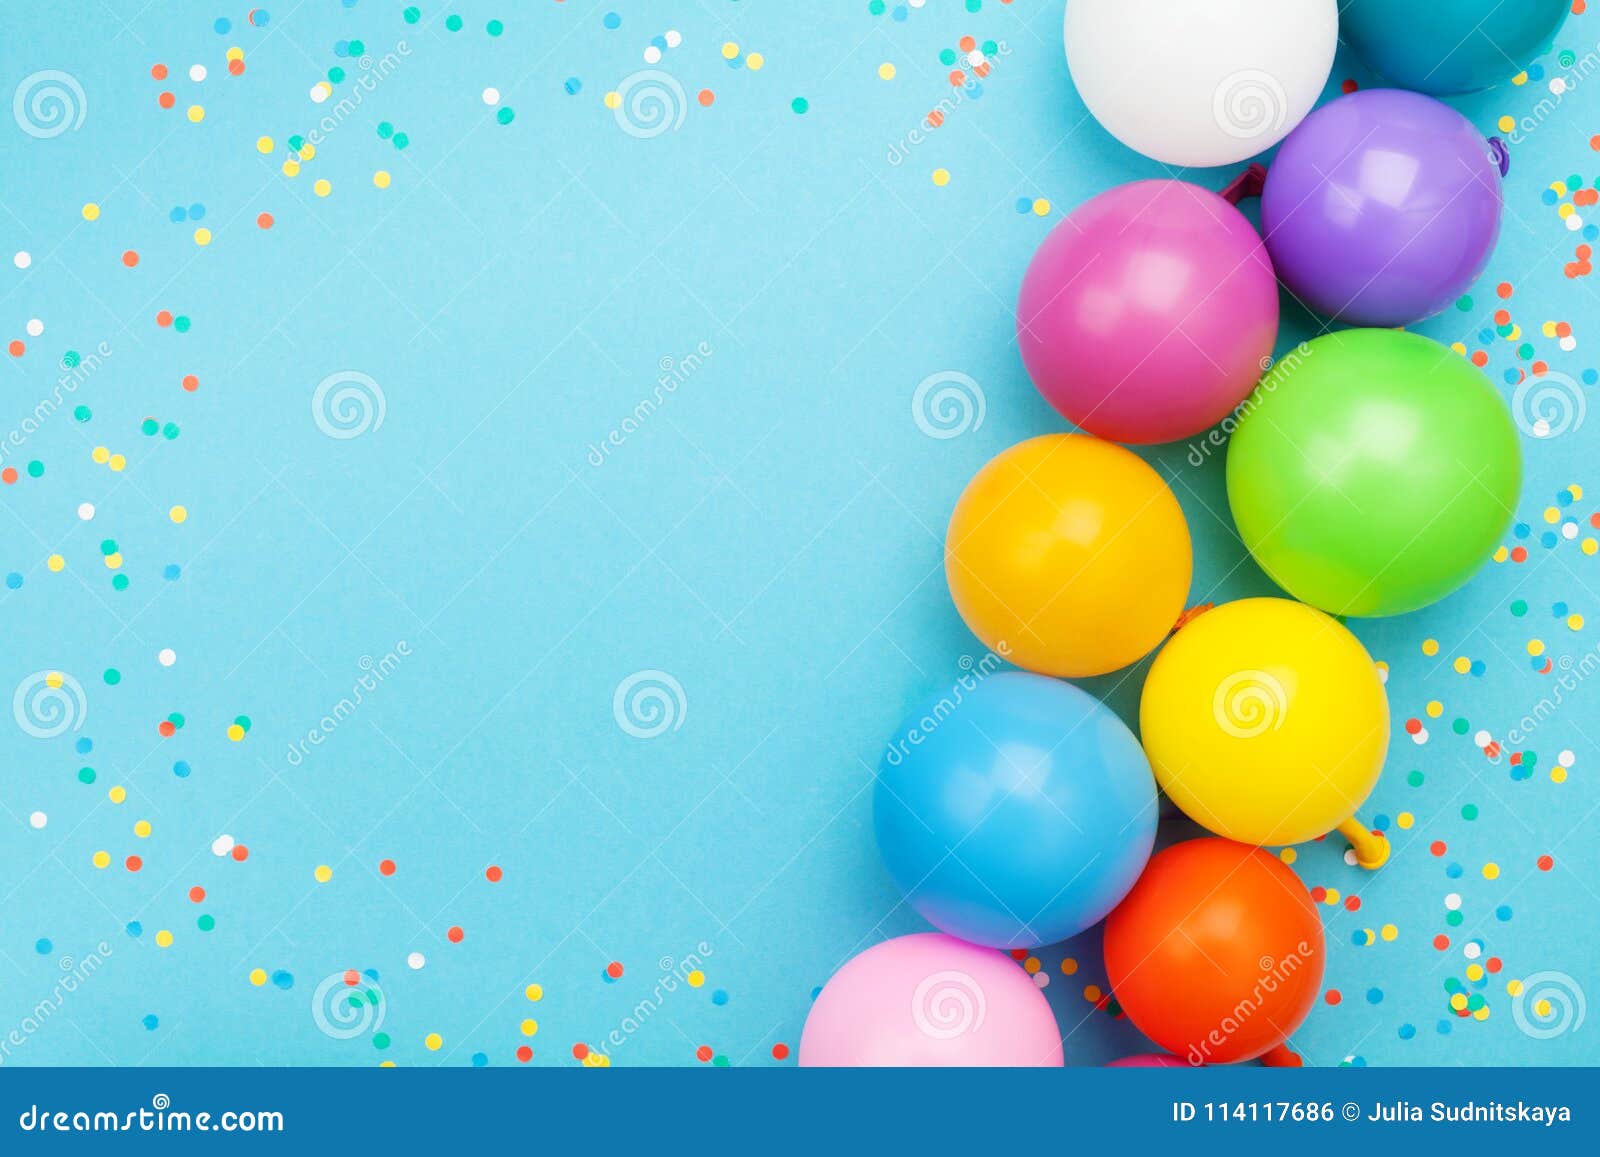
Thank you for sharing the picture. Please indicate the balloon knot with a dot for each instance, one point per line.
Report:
(1501, 155)
(1247, 184)
(1191, 615)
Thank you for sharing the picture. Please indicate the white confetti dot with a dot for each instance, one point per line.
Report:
(1473, 950)
(35, 327)
(1565, 759)
(222, 845)
(167, 657)
(1482, 738)
(38, 820)
(1574, 223)
(1568, 344)
(415, 961)
(652, 55)
(1420, 737)
(1041, 978)
(1453, 901)
(86, 510)
(320, 92)
(197, 72)
(1569, 530)
(1350, 856)
(491, 96)
(23, 259)
(673, 38)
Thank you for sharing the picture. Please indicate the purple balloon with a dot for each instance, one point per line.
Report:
(1381, 207)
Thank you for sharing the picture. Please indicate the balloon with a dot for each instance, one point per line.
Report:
(1266, 722)
(1015, 812)
(1149, 312)
(1216, 954)
(1373, 472)
(1382, 207)
(1455, 46)
(1148, 1061)
(1068, 556)
(926, 1000)
(1198, 84)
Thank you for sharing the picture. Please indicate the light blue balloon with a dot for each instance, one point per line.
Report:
(1015, 813)
(1449, 46)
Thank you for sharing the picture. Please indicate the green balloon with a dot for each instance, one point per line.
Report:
(1373, 471)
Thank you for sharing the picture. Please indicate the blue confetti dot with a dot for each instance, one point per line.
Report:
(612, 20)
(42, 946)
(197, 211)
(181, 769)
(1503, 913)
(1380, 822)
(222, 25)
(1521, 530)
(151, 1021)
(135, 929)
(659, 42)
(341, 48)
(179, 213)
(259, 17)
(480, 1060)
(1590, 377)
(572, 85)
(719, 997)
(1024, 205)
(14, 581)
(84, 745)
(1374, 996)
(1559, 610)
(1549, 197)
(1453, 871)
(900, 13)
(1407, 1031)
(283, 980)
(172, 571)
(1443, 1027)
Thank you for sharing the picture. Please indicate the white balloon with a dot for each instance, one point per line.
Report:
(1200, 82)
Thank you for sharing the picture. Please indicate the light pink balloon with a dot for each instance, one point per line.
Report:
(1148, 1061)
(1149, 313)
(927, 1000)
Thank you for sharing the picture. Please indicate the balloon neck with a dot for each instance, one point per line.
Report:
(1501, 155)
(1372, 851)
(1190, 616)
(1281, 1056)
(1247, 184)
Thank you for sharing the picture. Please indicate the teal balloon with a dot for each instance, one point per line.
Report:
(1450, 46)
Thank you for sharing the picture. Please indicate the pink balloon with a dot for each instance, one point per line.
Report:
(930, 999)
(1148, 314)
(1148, 1061)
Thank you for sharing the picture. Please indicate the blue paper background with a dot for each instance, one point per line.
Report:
(770, 536)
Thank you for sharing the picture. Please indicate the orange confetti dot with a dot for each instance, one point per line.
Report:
(957, 78)
(166, 728)
(352, 977)
(935, 119)
(16, 348)
(158, 72)
(164, 318)
(386, 867)
(1437, 847)
(579, 1051)
(1503, 289)
(134, 863)
(706, 97)
(1546, 863)
(1441, 942)
(493, 874)
(197, 894)
(8, 475)
(456, 935)
(1333, 996)
(191, 383)
(130, 258)
(614, 970)
(780, 1051)
(241, 853)
(703, 1054)
(166, 100)
(264, 220)
(236, 68)
(524, 1054)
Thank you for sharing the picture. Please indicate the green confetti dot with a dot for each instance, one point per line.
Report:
(70, 359)
(990, 47)
(1469, 811)
(1459, 726)
(358, 48)
(176, 719)
(181, 323)
(119, 583)
(82, 413)
(800, 104)
(1464, 302)
(719, 1061)
(401, 140)
(113, 676)
(412, 14)
(1519, 608)
(298, 142)
(385, 129)
(380, 1040)
(169, 431)
(85, 775)
(495, 28)
(453, 23)
(876, 7)
(35, 468)
(206, 923)
(243, 721)
(504, 116)
(108, 546)
(1453, 919)
(336, 75)
(1530, 759)
(1414, 778)
(974, 5)
(947, 57)
(149, 426)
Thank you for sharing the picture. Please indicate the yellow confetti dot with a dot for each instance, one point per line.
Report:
(163, 939)
(142, 829)
(258, 976)
(1548, 329)
(323, 873)
(196, 114)
(1513, 988)
(101, 455)
(56, 563)
(1430, 646)
(1388, 931)
(1368, 933)
(1576, 491)
(307, 152)
(696, 978)
(381, 178)
(386, 1064)
(1506, 124)
(117, 794)
(1068, 966)
(1458, 1001)
(1520, 79)
(1575, 622)
(1536, 647)
(1552, 515)
(1405, 820)
(1288, 855)
(323, 187)
(117, 462)
(1565, 211)
(433, 1041)
(178, 514)
(291, 168)
(235, 53)
(1462, 664)
(202, 236)
(941, 177)
(1435, 709)
(1589, 546)
(613, 99)
(1491, 871)
(1091, 992)
(1541, 1008)
(1501, 554)
(886, 71)
(1458, 348)
(1332, 896)
(114, 560)
(102, 859)
(1481, 1014)
(235, 732)
(91, 212)
(729, 50)
(534, 992)
(1558, 775)
(1474, 972)
(1041, 207)
(754, 61)
(529, 1027)
(264, 145)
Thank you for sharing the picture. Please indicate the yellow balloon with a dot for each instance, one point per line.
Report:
(1068, 555)
(1266, 721)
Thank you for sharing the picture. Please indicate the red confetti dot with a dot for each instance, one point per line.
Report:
(1546, 863)
(1352, 903)
(241, 853)
(1437, 847)
(580, 1050)
(158, 72)
(1441, 942)
(130, 258)
(16, 348)
(1319, 893)
(264, 220)
(1493, 964)
(352, 977)
(166, 100)
(1333, 996)
(134, 863)
(191, 383)
(524, 1054)
(1519, 554)
(1413, 726)
(614, 970)
(166, 728)
(780, 1051)
(236, 67)
(164, 318)
(706, 98)
(703, 1053)
(456, 935)
(493, 874)
(386, 867)
(1019, 954)
(1348, 86)
(197, 893)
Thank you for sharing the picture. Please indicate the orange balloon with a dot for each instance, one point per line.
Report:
(1216, 954)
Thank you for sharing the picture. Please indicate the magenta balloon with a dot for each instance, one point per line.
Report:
(1381, 207)
(1148, 314)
